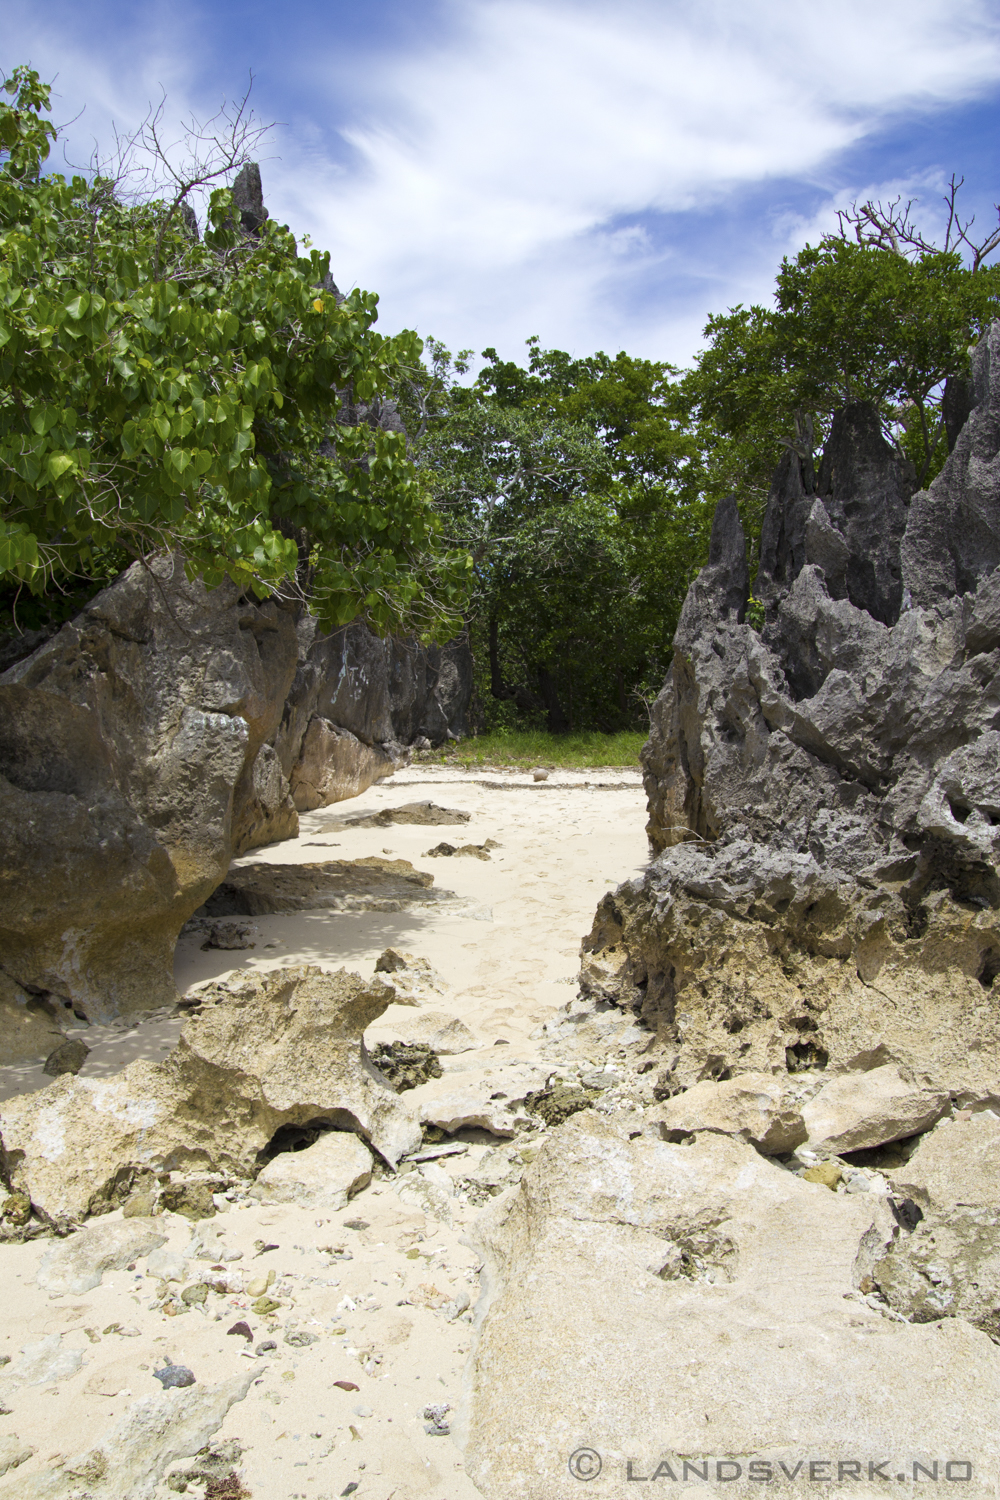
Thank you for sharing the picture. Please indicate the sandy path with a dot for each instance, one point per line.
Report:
(385, 1318)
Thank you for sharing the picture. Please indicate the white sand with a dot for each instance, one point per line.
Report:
(507, 961)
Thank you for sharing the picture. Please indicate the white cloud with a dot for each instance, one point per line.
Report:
(505, 178)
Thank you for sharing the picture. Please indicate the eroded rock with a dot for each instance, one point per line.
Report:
(263, 1052)
(369, 884)
(637, 1287)
(753, 1107)
(861, 1110)
(78, 1263)
(324, 1175)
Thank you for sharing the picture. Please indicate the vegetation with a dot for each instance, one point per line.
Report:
(165, 390)
(161, 391)
(524, 749)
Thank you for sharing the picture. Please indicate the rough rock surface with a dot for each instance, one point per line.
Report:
(754, 1107)
(860, 1110)
(824, 783)
(131, 1458)
(127, 750)
(78, 1263)
(695, 1303)
(324, 1175)
(282, 1049)
(369, 884)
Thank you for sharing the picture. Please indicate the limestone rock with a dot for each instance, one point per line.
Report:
(444, 1034)
(420, 813)
(29, 1026)
(324, 1175)
(131, 1458)
(68, 1057)
(668, 1303)
(414, 980)
(369, 884)
(754, 1107)
(859, 1110)
(13, 1452)
(281, 1049)
(333, 765)
(956, 1163)
(824, 782)
(456, 1108)
(127, 747)
(79, 1262)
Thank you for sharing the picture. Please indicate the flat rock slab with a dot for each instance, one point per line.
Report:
(443, 1033)
(425, 813)
(371, 884)
(324, 1175)
(661, 1305)
(78, 1263)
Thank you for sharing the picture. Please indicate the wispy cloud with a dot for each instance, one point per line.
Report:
(599, 175)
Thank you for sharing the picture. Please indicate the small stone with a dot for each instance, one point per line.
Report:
(301, 1339)
(826, 1173)
(346, 1385)
(172, 1376)
(243, 1329)
(194, 1200)
(195, 1294)
(362, 1411)
(260, 1284)
(540, 775)
(68, 1057)
(358, 1224)
(264, 1306)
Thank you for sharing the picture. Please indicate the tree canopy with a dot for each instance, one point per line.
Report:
(161, 390)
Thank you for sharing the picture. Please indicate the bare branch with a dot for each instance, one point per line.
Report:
(890, 226)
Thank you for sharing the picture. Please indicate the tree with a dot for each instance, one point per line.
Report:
(884, 317)
(161, 391)
(575, 488)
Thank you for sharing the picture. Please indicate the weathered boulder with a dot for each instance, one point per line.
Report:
(856, 1111)
(948, 1263)
(324, 1175)
(695, 1312)
(753, 1107)
(262, 1052)
(78, 1263)
(127, 749)
(823, 777)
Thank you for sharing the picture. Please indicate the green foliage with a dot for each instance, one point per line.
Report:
(160, 392)
(851, 322)
(526, 748)
(575, 487)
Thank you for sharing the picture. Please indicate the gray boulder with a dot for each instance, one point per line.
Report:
(128, 744)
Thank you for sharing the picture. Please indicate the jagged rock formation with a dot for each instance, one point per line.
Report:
(261, 1053)
(358, 701)
(824, 782)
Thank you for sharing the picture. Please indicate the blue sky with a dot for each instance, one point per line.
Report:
(602, 175)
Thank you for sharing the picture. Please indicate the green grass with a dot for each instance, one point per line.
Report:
(534, 747)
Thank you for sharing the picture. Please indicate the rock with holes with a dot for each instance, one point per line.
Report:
(696, 1303)
(859, 1110)
(945, 1261)
(263, 1052)
(324, 1175)
(823, 776)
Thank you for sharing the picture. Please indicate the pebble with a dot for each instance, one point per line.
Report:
(172, 1376)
